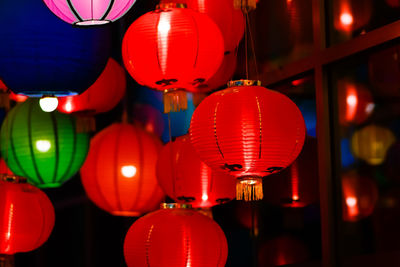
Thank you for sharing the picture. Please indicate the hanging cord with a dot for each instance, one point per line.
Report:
(249, 42)
(254, 232)
(252, 43)
(172, 158)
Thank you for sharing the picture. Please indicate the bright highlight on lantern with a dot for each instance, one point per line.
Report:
(351, 202)
(48, 103)
(346, 19)
(43, 145)
(128, 171)
(204, 197)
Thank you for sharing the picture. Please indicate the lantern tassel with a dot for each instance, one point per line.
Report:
(85, 124)
(175, 101)
(249, 189)
(245, 5)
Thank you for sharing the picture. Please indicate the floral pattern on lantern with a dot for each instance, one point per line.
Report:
(175, 236)
(119, 174)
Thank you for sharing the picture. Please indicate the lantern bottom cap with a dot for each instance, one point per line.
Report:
(249, 188)
(49, 185)
(126, 213)
(92, 22)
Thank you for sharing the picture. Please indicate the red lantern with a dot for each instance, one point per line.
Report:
(4, 168)
(27, 216)
(175, 236)
(250, 132)
(360, 195)
(297, 185)
(102, 96)
(119, 173)
(173, 48)
(186, 179)
(355, 102)
(229, 20)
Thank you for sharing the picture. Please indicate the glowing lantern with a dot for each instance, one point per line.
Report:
(150, 118)
(282, 250)
(355, 102)
(296, 186)
(41, 55)
(360, 195)
(119, 174)
(229, 20)
(27, 216)
(44, 147)
(186, 179)
(371, 143)
(248, 131)
(89, 12)
(351, 15)
(178, 49)
(175, 236)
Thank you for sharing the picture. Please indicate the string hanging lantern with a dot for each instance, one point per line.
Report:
(171, 49)
(175, 236)
(89, 12)
(27, 216)
(186, 179)
(119, 173)
(43, 147)
(248, 131)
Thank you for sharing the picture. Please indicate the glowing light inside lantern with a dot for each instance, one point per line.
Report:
(48, 103)
(43, 145)
(163, 31)
(128, 171)
(346, 19)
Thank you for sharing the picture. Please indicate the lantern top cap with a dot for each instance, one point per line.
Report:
(175, 206)
(171, 5)
(12, 178)
(236, 83)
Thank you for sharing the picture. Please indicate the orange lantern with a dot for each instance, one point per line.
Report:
(359, 197)
(371, 143)
(119, 173)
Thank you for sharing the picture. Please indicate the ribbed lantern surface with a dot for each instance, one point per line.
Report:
(172, 48)
(186, 179)
(229, 20)
(89, 12)
(119, 174)
(248, 131)
(102, 96)
(27, 217)
(42, 55)
(43, 147)
(175, 237)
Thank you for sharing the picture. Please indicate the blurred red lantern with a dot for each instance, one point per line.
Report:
(102, 96)
(150, 118)
(119, 173)
(393, 3)
(351, 15)
(4, 168)
(221, 77)
(297, 185)
(355, 102)
(282, 250)
(171, 49)
(186, 179)
(12, 95)
(249, 131)
(229, 20)
(27, 216)
(359, 197)
(175, 236)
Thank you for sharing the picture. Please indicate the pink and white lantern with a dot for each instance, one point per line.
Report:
(89, 12)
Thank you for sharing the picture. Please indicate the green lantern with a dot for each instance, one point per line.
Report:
(43, 147)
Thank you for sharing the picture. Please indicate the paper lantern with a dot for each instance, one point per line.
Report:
(355, 102)
(89, 12)
(27, 216)
(297, 185)
(186, 179)
(371, 143)
(229, 20)
(172, 48)
(351, 15)
(43, 147)
(150, 118)
(102, 96)
(41, 55)
(119, 174)
(175, 236)
(359, 196)
(248, 131)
